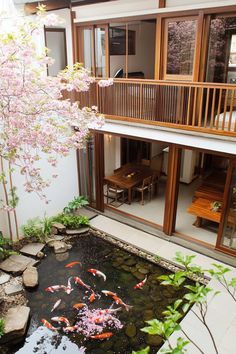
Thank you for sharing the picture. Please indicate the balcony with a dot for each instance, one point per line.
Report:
(202, 107)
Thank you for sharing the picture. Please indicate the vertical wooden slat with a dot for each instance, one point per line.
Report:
(225, 109)
(194, 105)
(213, 108)
(206, 107)
(200, 108)
(218, 110)
(231, 110)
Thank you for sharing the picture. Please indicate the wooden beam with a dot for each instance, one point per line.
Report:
(31, 7)
(99, 170)
(87, 2)
(162, 4)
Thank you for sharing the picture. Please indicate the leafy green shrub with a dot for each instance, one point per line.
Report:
(5, 250)
(2, 325)
(37, 228)
(76, 203)
(71, 221)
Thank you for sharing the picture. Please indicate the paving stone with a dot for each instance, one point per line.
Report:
(4, 278)
(86, 212)
(13, 289)
(16, 321)
(30, 277)
(77, 231)
(32, 249)
(16, 264)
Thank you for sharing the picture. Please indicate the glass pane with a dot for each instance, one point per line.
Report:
(88, 49)
(100, 52)
(229, 233)
(181, 47)
(55, 41)
(117, 49)
(222, 50)
(141, 43)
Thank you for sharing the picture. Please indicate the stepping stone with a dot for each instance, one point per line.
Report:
(82, 230)
(4, 278)
(32, 249)
(16, 321)
(30, 277)
(60, 227)
(13, 289)
(86, 212)
(17, 263)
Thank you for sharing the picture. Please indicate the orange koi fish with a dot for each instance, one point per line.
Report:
(141, 284)
(48, 325)
(98, 273)
(118, 301)
(102, 335)
(70, 329)
(70, 265)
(61, 319)
(53, 288)
(57, 303)
(79, 306)
(108, 293)
(80, 282)
(92, 296)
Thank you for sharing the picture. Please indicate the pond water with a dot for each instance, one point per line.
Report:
(123, 271)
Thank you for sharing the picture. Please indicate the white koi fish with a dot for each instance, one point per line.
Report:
(57, 303)
(98, 273)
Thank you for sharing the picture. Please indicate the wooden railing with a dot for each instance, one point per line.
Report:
(206, 107)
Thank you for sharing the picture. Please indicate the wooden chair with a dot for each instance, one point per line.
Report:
(115, 193)
(146, 186)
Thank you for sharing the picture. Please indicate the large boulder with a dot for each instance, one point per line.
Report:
(60, 247)
(30, 277)
(16, 321)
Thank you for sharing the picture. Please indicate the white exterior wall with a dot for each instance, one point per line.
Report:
(111, 153)
(126, 8)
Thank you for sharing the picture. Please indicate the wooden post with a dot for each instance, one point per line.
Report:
(99, 169)
(172, 189)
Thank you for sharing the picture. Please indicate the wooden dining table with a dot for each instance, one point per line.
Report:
(129, 176)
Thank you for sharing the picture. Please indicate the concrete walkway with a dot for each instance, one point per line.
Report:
(221, 315)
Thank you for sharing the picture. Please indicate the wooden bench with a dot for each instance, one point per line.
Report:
(202, 208)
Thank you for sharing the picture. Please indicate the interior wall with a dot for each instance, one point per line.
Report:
(144, 58)
(56, 43)
(157, 148)
(111, 153)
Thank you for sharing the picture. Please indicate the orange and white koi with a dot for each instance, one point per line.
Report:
(57, 303)
(141, 284)
(105, 311)
(92, 297)
(79, 306)
(80, 282)
(98, 273)
(48, 325)
(61, 319)
(102, 335)
(70, 329)
(68, 289)
(53, 288)
(108, 293)
(70, 265)
(118, 301)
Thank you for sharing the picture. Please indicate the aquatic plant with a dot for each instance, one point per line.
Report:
(2, 326)
(198, 295)
(71, 221)
(142, 351)
(76, 203)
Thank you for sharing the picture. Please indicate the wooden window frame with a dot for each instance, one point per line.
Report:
(174, 77)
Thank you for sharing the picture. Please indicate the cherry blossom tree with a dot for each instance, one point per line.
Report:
(35, 119)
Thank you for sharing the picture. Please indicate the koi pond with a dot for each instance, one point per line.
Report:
(104, 316)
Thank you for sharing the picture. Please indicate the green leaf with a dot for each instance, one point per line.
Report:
(142, 351)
